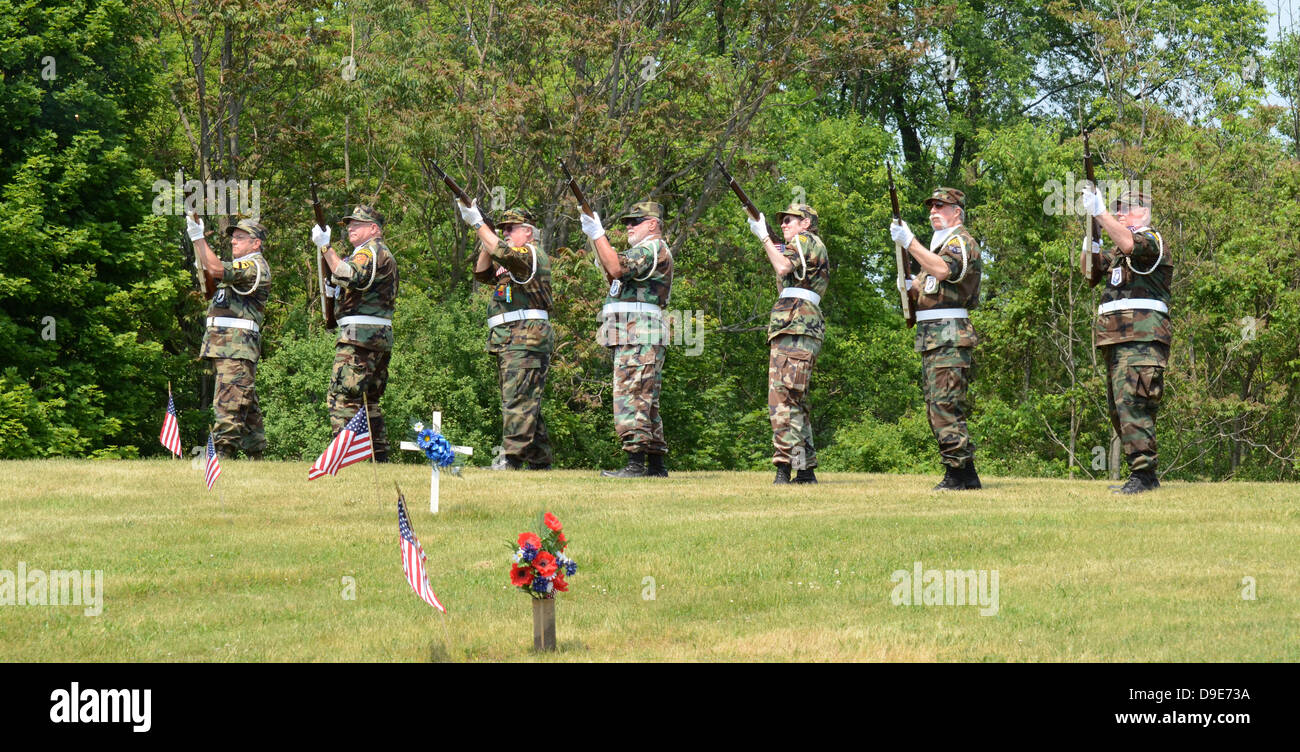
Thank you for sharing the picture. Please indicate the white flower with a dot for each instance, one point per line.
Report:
(419, 427)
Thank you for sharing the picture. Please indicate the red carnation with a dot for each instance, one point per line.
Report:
(553, 522)
(520, 576)
(530, 539)
(563, 540)
(559, 583)
(544, 563)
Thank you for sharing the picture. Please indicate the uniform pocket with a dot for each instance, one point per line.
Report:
(1150, 383)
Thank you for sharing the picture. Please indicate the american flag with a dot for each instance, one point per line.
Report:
(413, 559)
(352, 445)
(170, 436)
(213, 469)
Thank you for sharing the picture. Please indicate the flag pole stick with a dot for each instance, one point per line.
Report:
(370, 436)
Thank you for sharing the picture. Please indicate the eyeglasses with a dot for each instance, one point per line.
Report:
(630, 223)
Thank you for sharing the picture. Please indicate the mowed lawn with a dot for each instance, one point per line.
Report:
(699, 567)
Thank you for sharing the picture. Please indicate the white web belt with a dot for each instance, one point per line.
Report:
(1132, 304)
(232, 323)
(799, 292)
(512, 316)
(934, 314)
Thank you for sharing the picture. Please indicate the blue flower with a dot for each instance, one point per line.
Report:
(424, 437)
(436, 448)
(528, 553)
(541, 584)
(571, 568)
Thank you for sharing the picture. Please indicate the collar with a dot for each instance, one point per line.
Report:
(941, 237)
(248, 257)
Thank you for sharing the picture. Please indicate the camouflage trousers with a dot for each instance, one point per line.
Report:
(789, 367)
(359, 371)
(1135, 382)
(638, 377)
(234, 403)
(522, 376)
(946, 374)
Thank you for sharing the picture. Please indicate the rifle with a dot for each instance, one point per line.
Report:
(777, 238)
(586, 209)
(1090, 269)
(326, 298)
(460, 194)
(900, 255)
(207, 285)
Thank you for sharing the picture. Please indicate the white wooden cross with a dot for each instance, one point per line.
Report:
(436, 426)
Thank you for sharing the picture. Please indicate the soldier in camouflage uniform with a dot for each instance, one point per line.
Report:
(367, 281)
(1133, 330)
(633, 327)
(795, 332)
(232, 338)
(519, 331)
(947, 290)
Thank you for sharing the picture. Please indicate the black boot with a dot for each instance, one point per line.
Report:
(970, 478)
(805, 475)
(539, 466)
(782, 474)
(507, 462)
(657, 468)
(635, 467)
(1140, 481)
(952, 480)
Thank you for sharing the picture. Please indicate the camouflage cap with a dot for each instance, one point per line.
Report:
(803, 211)
(248, 226)
(363, 213)
(1132, 198)
(643, 209)
(945, 195)
(515, 216)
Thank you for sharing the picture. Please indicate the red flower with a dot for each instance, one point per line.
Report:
(520, 576)
(544, 563)
(553, 522)
(560, 585)
(530, 539)
(563, 540)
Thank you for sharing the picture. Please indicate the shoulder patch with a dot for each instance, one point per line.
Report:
(362, 256)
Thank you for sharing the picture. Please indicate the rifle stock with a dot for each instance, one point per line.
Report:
(900, 256)
(326, 300)
(207, 285)
(752, 210)
(458, 192)
(1092, 232)
(576, 190)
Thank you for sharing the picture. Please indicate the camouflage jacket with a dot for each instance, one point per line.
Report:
(517, 285)
(960, 290)
(243, 292)
(367, 283)
(812, 271)
(1125, 281)
(647, 278)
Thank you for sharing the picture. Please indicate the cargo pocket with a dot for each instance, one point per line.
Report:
(1150, 386)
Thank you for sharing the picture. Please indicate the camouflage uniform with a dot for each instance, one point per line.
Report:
(232, 340)
(1133, 332)
(946, 343)
(521, 280)
(634, 328)
(367, 282)
(795, 332)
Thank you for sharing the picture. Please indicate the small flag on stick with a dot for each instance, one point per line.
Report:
(213, 469)
(350, 446)
(170, 436)
(413, 557)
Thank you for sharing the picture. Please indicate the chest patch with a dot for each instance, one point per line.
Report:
(931, 285)
(1116, 276)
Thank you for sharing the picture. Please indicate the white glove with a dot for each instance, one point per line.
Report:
(591, 225)
(757, 226)
(1096, 246)
(319, 236)
(472, 216)
(194, 227)
(901, 233)
(1092, 202)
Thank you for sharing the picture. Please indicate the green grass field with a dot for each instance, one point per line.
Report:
(742, 571)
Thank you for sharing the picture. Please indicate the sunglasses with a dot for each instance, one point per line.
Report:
(629, 223)
(789, 219)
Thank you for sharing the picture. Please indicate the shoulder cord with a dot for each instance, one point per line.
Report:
(374, 271)
(803, 261)
(530, 276)
(1160, 243)
(964, 260)
(654, 265)
(256, 282)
